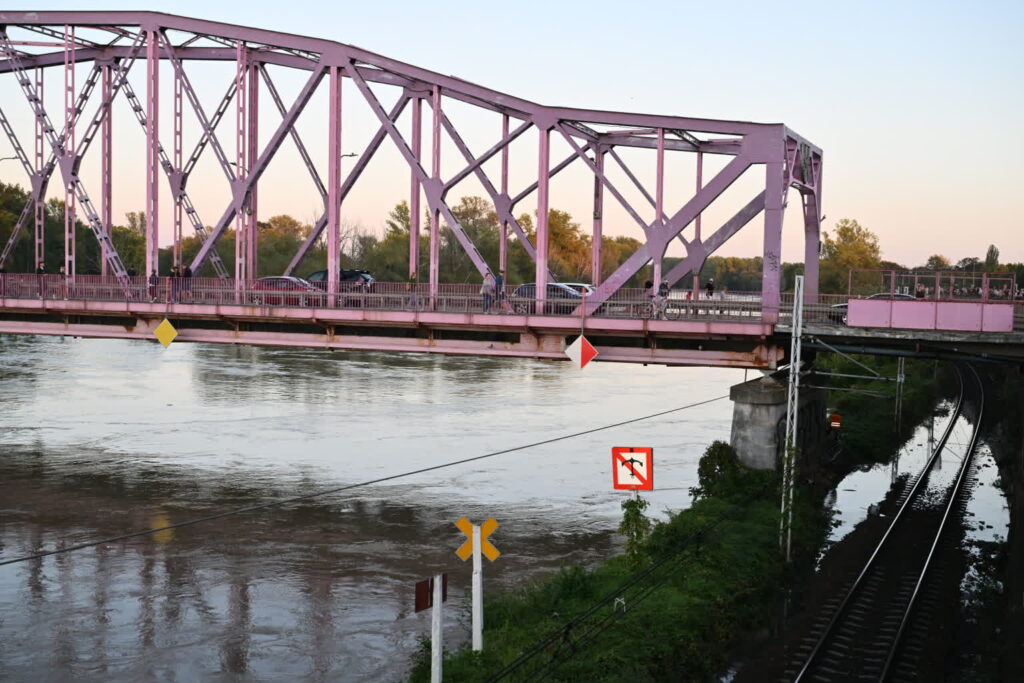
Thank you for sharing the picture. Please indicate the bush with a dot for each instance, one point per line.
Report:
(720, 474)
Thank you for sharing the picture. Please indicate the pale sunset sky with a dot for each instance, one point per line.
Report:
(918, 106)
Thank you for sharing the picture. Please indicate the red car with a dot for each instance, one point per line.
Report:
(284, 291)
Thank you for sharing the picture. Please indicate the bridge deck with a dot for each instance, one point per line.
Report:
(724, 330)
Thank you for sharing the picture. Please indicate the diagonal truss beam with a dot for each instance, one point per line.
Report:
(657, 240)
(19, 152)
(502, 204)
(475, 164)
(208, 131)
(174, 178)
(555, 170)
(629, 174)
(242, 186)
(433, 189)
(361, 164)
(39, 180)
(698, 252)
(57, 144)
(296, 138)
(581, 153)
(197, 108)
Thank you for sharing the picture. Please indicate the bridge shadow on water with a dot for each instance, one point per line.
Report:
(321, 588)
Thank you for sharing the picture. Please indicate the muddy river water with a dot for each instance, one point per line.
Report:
(102, 437)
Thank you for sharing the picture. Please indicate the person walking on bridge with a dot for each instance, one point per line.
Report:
(186, 282)
(175, 286)
(709, 288)
(499, 290)
(663, 294)
(41, 277)
(154, 282)
(487, 291)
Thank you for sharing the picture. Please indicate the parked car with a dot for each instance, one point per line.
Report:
(583, 288)
(838, 312)
(560, 300)
(284, 291)
(350, 278)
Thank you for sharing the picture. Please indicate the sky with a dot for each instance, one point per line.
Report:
(917, 105)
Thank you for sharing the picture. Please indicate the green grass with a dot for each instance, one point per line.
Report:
(720, 587)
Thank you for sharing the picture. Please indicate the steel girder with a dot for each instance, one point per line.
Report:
(115, 38)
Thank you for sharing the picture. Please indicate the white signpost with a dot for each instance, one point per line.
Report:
(477, 545)
(431, 593)
(437, 651)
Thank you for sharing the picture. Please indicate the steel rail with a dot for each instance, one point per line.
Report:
(953, 500)
(858, 583)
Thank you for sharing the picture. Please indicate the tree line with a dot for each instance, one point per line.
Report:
(847, 246)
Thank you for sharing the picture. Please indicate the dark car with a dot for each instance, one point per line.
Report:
(838, 312)
(284, 291)
(560, 299)
(351, 279)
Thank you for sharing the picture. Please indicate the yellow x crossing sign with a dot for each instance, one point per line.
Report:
(465, 551)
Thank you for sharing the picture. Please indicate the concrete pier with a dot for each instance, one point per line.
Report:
(759, 419)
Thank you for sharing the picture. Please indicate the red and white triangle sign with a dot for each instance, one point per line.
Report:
(581, 352)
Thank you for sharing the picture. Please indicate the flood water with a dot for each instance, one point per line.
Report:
(103, 437)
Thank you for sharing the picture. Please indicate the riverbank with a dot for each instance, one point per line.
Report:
(706, 576)
(727, 568)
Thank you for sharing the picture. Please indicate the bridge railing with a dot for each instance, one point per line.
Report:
(821, 309)
(464, 298)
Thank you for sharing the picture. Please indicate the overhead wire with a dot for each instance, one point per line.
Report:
(349, 487)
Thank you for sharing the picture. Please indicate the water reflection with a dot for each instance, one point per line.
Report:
(102, 437)
(316, 589)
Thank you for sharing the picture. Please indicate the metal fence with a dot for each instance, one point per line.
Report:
(944, 285)
(627, 303)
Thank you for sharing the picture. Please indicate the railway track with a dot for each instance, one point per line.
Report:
(875, 630)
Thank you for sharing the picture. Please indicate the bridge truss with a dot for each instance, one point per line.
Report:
(116, 43)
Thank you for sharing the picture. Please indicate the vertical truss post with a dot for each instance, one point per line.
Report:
(414, 191)
(696, 224)
(543, 178)
(252, 140)
(70, 118)
(503, 235)
(241, 225)
(659, 204)
(789, 449)
(39, 183)
(334, 184)
(812, 236)
(775, 190)
(435, 218)
(812, 245)
(152, 151)
(176, 258)
(596, 241)
(106, 169)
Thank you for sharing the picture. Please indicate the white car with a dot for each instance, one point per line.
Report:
(582, 287)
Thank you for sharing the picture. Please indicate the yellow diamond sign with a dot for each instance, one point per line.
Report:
(165, 332)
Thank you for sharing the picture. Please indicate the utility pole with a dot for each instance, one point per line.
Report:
(792, 412)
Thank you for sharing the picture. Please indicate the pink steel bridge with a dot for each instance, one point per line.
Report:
(225, 309)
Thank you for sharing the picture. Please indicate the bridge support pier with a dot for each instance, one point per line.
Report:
(759, 420)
